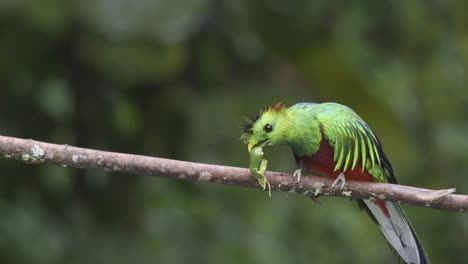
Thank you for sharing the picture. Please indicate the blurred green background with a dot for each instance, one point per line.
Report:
(174, 79)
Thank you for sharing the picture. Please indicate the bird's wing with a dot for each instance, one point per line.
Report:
(352, 139)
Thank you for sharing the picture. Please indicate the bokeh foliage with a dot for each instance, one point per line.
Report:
(174, 78)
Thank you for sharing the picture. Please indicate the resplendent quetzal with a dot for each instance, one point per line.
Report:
(332, 139)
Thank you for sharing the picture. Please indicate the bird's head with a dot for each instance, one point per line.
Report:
(269, 127)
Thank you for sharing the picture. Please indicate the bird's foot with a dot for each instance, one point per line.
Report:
(297, 174)
(341, 178)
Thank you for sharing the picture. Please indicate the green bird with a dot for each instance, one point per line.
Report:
(332, 139)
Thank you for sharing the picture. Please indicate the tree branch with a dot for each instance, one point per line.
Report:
(35, 152)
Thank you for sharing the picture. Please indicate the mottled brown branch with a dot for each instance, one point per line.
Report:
(35, 152)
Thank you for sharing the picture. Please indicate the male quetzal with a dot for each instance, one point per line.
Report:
(332, 139)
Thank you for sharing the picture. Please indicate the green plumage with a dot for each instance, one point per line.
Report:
(333, 139)
(303, 126)
(352, 140)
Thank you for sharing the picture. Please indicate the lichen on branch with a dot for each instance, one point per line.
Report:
(36, 152)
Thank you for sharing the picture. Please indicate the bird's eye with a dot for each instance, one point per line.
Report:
(268, 128)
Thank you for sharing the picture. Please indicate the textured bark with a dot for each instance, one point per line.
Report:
(35, 152)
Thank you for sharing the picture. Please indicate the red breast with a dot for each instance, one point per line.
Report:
(322, 161)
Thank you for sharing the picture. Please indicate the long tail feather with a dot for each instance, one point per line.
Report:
(397, 230)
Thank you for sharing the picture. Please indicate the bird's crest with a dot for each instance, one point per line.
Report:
(247, 129)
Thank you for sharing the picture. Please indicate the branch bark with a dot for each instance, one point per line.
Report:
(36, 152)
